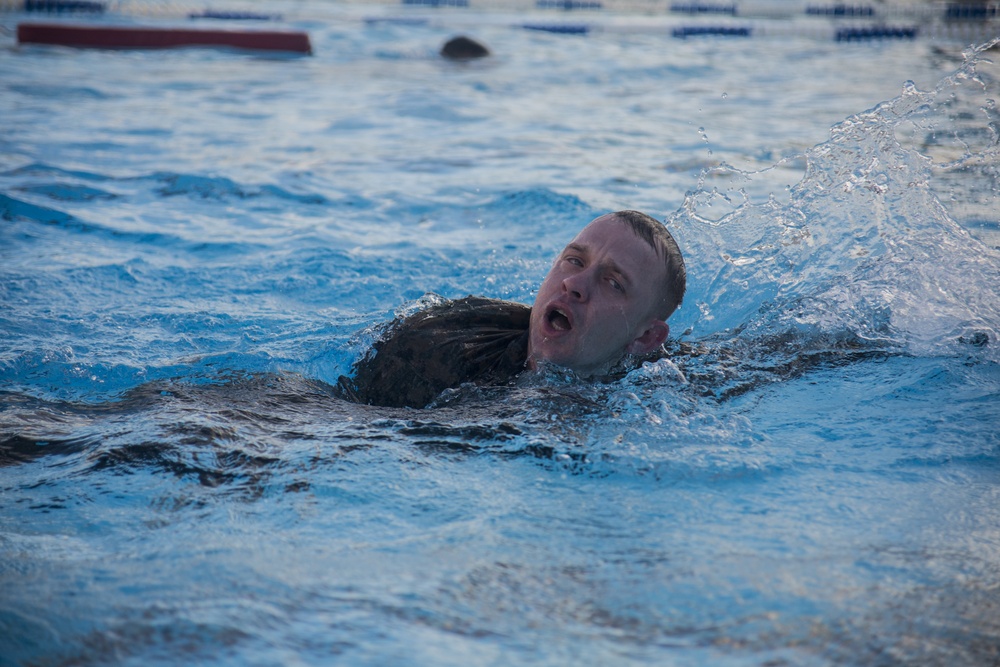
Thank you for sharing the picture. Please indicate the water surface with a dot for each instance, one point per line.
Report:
(195, 244)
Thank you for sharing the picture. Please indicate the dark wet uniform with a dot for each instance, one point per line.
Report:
(475, 339)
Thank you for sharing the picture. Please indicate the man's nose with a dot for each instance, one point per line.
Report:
(577, 286)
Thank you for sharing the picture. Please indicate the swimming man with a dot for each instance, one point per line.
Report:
(601, 310)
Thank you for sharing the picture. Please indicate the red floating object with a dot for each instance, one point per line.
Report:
(119, 37)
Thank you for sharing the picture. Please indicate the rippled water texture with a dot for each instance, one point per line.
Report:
(195, 244)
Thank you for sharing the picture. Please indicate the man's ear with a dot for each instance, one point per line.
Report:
(650, 339)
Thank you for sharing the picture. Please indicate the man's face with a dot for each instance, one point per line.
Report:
(597, 302)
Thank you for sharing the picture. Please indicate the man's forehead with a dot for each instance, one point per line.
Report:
(608, 230)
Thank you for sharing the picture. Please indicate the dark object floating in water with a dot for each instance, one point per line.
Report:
(437, 3)
(64, 6)
(975, 338)
(699, 8)
(971, 12)
(235, 16)
(840, 10)
(874, 32)
(567, 5)
(559, 28)
(463, 48)
(104, 37)
(710, 30)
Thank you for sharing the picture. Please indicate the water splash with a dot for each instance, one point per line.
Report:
(868, 244)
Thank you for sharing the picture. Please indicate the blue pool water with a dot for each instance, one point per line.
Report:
(195, 244)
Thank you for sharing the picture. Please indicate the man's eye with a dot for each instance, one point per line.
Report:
(575, 261)
(616, 285)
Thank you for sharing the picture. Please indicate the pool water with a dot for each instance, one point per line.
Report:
(195, 244)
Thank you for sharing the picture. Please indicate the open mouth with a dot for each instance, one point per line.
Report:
(558, 320)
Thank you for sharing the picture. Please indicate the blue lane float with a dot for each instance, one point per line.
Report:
(684, 32)
(64, 7)
(436, 3)
(954, 10)
(568, 5)
(699, 8)
(970, 12)
(837, 21)
(234, 16)
(397, 20)
(841, 10)
(563, 29)
(874, 32)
